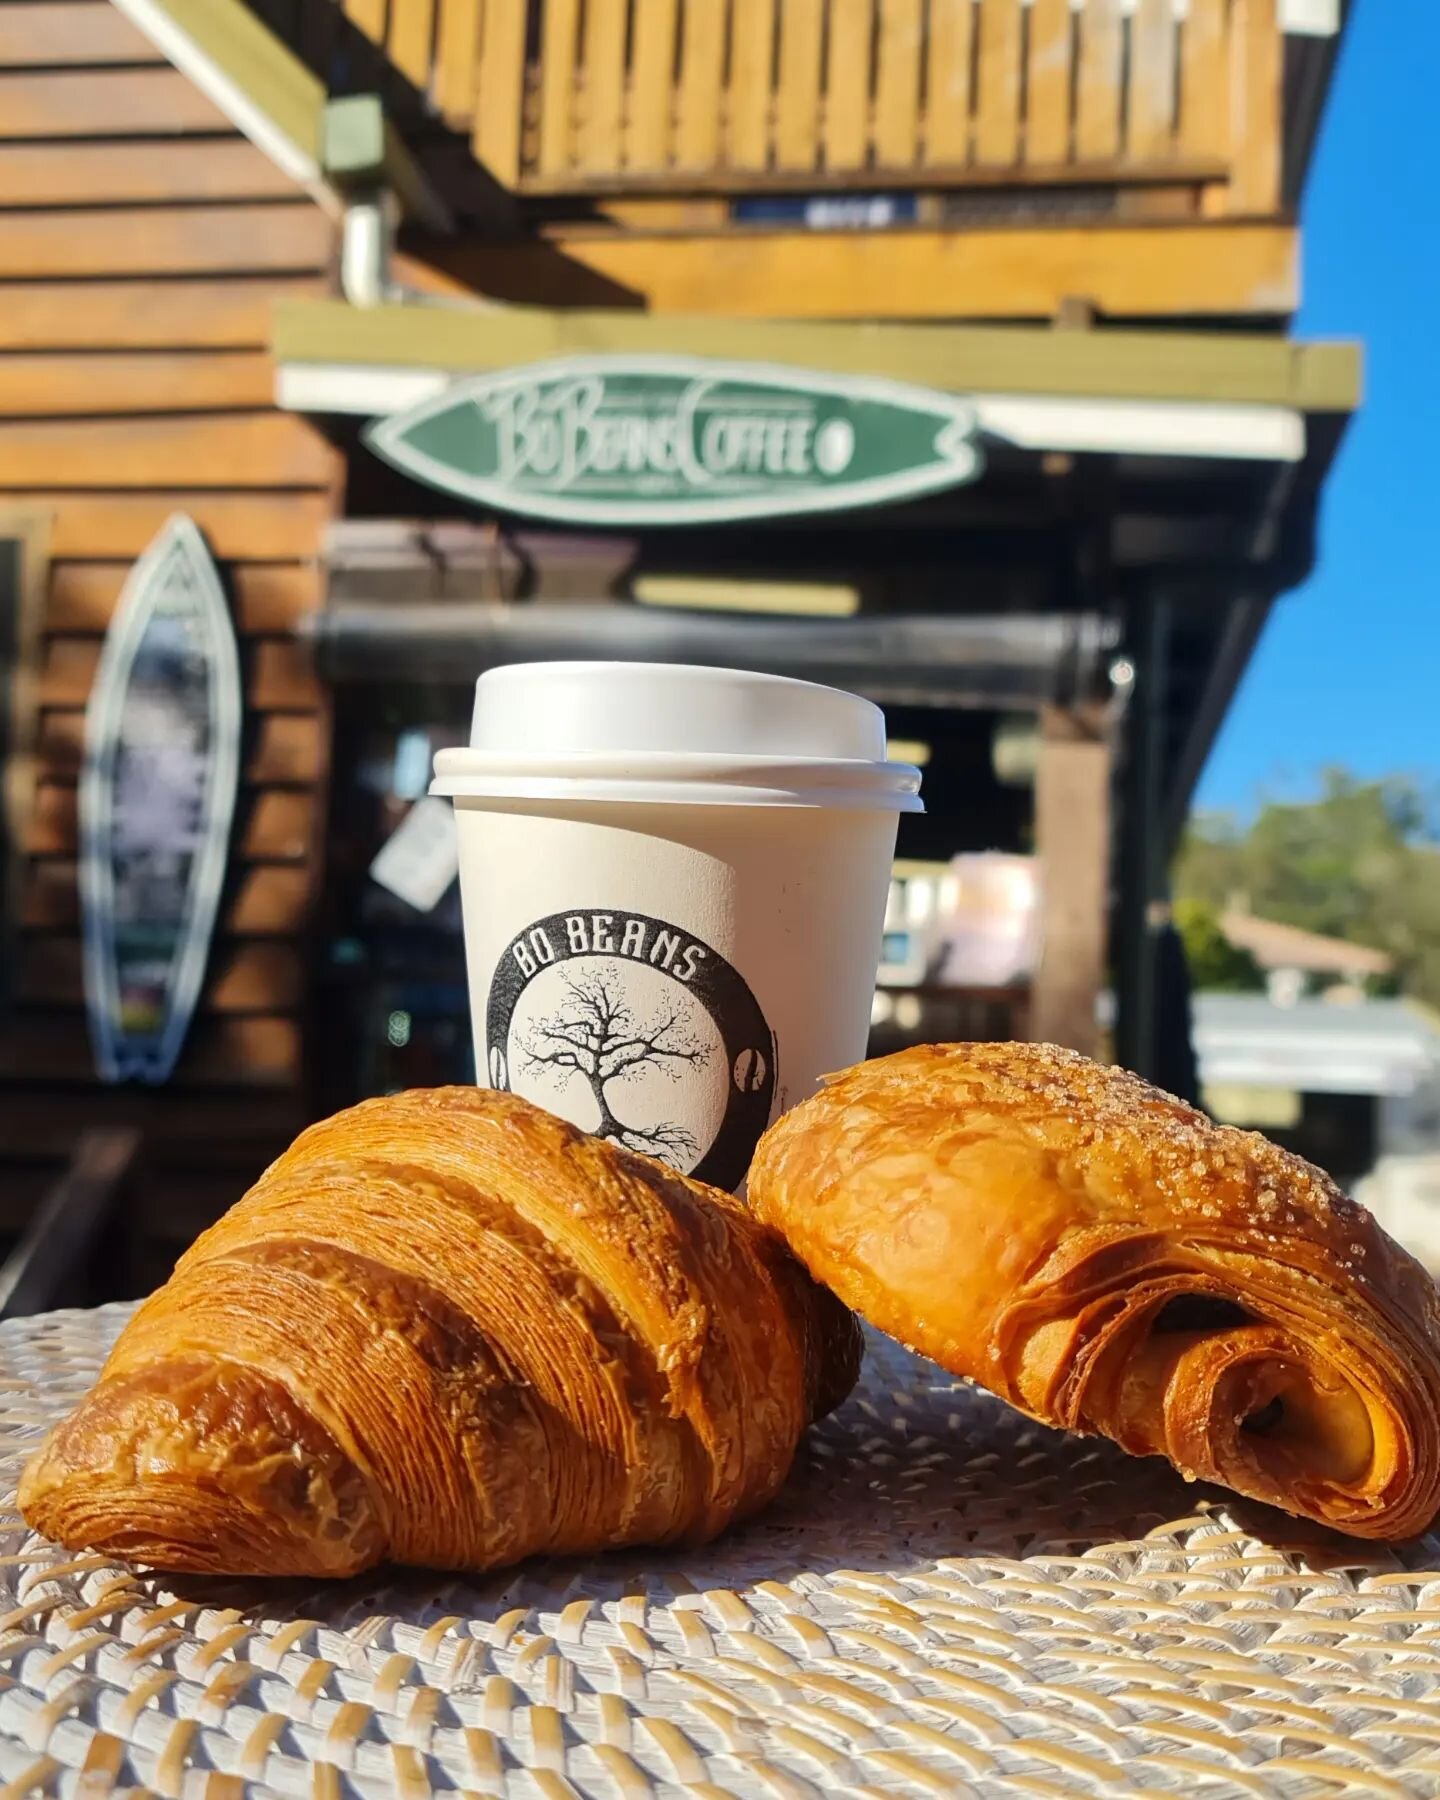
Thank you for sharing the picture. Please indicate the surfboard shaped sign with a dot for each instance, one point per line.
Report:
(657, 440)
(157, 795)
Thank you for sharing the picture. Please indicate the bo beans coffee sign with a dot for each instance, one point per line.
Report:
(652, 440)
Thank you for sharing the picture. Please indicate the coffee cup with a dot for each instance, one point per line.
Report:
(673, 884)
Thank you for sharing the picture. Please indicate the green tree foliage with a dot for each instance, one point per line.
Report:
(1215, 963)
(1361, 862)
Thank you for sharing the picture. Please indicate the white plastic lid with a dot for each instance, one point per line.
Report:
(668, 732)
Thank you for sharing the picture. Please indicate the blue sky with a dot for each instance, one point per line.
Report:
(1349, 668)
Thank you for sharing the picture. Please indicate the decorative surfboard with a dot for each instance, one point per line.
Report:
(157, 795)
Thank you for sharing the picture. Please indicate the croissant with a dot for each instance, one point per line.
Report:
(450, 1330)
(1106, 1259)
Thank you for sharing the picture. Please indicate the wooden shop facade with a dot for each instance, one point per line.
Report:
(264, 265)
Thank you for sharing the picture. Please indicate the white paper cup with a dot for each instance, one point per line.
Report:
(673, 882)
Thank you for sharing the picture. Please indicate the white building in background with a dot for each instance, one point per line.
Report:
(1354, 1085)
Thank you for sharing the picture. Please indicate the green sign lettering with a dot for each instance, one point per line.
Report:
(652, 440)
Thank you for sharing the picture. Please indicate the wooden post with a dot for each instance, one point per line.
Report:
(1072, 840)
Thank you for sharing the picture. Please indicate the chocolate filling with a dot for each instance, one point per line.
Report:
(1268, 1417)
(1198, 1312)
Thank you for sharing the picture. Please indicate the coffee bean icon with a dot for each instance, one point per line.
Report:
(750, 1071)
(499, 1076)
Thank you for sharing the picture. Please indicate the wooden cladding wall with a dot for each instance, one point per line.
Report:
(142, 245)
(646, 95)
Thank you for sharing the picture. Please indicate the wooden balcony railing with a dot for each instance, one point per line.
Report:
(643, 97)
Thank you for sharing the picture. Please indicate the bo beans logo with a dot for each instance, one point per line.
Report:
(638, 1032)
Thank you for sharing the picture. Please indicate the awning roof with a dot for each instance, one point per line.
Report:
(1177, 395)
(1121, 465)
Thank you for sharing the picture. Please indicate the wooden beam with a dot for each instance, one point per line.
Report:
(60, 384)
(1257, 74)
(138, 170)
(103, 103)
(223, 450)
(51, 33)
(1021, 359)
(281, 678)
(501, 94)
(1137, 271)
(267, 597)
(191, 240)
(1072, 841)
(287, 749)
(223, 49)
(141, 315)
(261, 525)
(248, 977)
(847, 85)
(271, 899)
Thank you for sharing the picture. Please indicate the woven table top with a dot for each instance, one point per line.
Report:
(946, 1599)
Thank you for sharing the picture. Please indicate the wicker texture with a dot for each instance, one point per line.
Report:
(945, 1600)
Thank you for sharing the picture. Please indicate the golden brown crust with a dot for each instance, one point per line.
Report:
(446, 1328)
(1105, 1258)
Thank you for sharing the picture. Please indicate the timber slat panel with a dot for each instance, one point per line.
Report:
(897, 83)
(51, 829)
(652, 84)
(42, 315)
(947, 103)
(276, 825)
(752, 49)
(368, 16)
(235, 450)
(499, 106)
(702, 66)
(604, 72)
(254, 977)
(1205, 80)
(196, 240)
(51, 33)
(267, 597)
(60, 385)
(272, 824)
(557, 84)
(269, 899)
(997, 110)
(281, 676)
(1047, 85)
(273, 901)
(50, 897)
(1256, 71)
(408, 39)
(1150, 122)
(1007, 273)
(797, 106)
(457, 60)
(1097, 102)
(285, 748)
(271, 526)
(263, 1053)
(105, 103)
(81, 174)
(847, 85)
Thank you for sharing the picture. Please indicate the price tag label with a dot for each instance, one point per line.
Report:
(420, 859)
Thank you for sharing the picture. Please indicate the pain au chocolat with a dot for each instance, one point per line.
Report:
(448, 1329)
(1106, 1259)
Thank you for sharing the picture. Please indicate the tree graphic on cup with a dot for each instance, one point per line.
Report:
(595, 1034)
